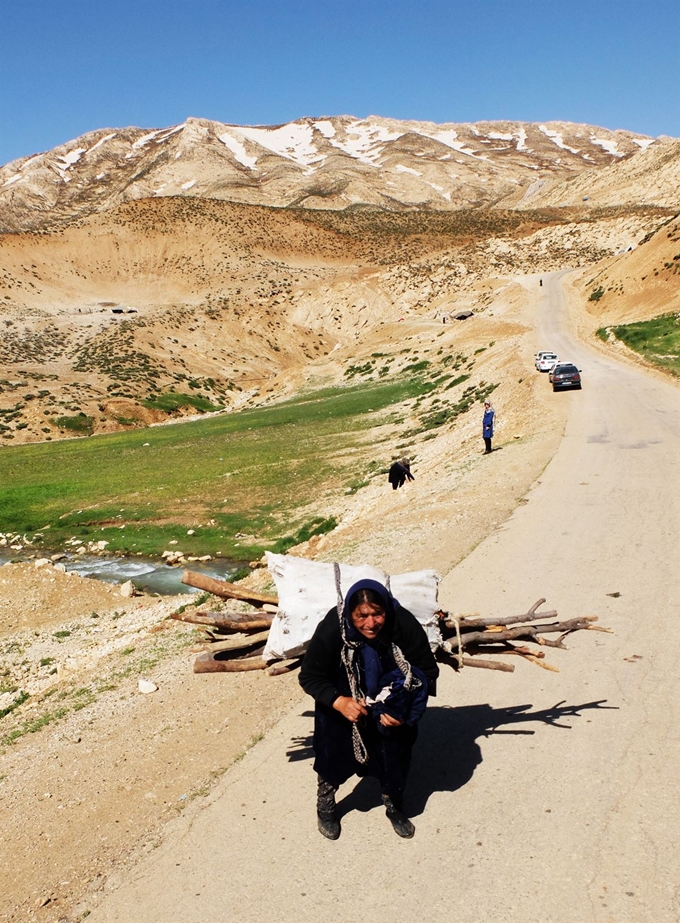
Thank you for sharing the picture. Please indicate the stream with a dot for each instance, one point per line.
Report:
(147, 574)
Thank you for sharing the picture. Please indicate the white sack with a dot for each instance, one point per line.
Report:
(306, 591)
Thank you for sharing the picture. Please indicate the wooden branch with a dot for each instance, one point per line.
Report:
(526, 653)
(227, 621)
(251, 624)
(206, 662)
(235, 644)
(473, 622)
(488, 664)
(528, 632)
(278, 669)
(466, 624)
(226, 590)
(541, 663)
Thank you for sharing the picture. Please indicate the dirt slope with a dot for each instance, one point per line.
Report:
(234, 304)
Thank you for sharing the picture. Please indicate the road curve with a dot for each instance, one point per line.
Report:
(538, 797)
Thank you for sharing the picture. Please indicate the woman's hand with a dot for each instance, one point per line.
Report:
(350, 708)
(388, 721)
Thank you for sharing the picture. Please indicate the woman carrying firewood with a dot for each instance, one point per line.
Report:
(370, 670)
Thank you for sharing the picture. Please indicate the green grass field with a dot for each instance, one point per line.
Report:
(657, 340)
(250, 473)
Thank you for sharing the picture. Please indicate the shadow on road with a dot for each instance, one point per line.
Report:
(447, 753)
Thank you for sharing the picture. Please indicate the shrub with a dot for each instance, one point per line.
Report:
(80, 423)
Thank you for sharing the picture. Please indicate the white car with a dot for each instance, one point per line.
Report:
(545, 361)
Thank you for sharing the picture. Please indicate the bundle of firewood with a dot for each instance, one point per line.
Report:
(465, 637)
(235, 641)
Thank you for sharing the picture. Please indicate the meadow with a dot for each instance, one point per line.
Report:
(656, 340)
(241, 481)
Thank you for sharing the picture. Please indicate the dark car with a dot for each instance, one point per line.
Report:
(565, 375)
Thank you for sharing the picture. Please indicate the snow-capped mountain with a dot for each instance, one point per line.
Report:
(333, 162)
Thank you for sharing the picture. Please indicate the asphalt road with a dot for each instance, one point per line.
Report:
(538, 797)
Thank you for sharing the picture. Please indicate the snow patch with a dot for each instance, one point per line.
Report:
(440, 190)
(170, 131)
(293, 141)
(185, 186)
(69, 159)
(556, 138)
(364, 141)
(641, 142)
(499, 136)
(144, 140)
(400, 168)
(449, 137)
(608, 144)
(102, 141)
(238, 150)
(13, 179)
(326, 128)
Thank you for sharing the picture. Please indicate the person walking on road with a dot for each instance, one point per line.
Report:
(399, 472)
(487, 426)
(370, 670)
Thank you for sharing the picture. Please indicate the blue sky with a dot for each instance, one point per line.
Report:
(71, 67)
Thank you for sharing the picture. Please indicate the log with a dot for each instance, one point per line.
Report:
(226, 590)
(230, 622)
(235, 644)
(206, 662)
(488, 664)
(452, 661)
(287, 666)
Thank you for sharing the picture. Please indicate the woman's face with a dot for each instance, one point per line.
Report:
(368, 619)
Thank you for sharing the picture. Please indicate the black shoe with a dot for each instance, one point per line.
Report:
(402, 825)
(328, 825)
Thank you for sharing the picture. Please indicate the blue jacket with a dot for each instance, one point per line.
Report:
(487, 424)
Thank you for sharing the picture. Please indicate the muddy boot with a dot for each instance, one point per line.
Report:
(402, 825)
(326, 811)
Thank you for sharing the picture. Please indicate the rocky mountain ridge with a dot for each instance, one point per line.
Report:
(326, 163)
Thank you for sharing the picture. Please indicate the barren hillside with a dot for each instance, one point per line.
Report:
(232, 303)
(639, 284)
(653, 175)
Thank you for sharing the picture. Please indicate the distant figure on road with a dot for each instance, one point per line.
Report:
(399, 472)
(487, 426)
(369, 669)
